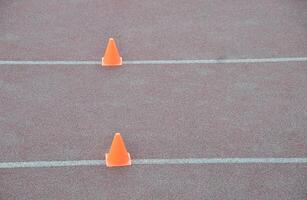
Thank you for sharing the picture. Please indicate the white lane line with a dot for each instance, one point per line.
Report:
(47, 62)
(38, 164)
(217, 61)
(219, 161)
(74, 163)
(156, 62)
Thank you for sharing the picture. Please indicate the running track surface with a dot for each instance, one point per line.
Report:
(174, 111)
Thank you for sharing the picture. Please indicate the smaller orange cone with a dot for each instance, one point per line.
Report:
(118, 155)
(111, 55)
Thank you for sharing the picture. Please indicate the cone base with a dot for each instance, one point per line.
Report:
(110, 65)
(117, 165)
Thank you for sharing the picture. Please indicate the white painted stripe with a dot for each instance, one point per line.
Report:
(219, 161)
(74, 163)
(156, 62)
(38, 164)
(47, 62)
(216, 61)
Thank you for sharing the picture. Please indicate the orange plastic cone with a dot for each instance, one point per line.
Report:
(118, 155)
(111, 55)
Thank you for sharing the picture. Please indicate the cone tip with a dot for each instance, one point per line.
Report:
(117, 134)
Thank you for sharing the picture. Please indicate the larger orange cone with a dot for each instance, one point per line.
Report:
(118, 155)
(111, 56)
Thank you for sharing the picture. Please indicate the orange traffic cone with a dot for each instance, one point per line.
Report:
(111, 55)
(118, 155)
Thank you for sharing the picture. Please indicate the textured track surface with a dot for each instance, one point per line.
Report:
(158, 182)
(168, 29)
(67, 112)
